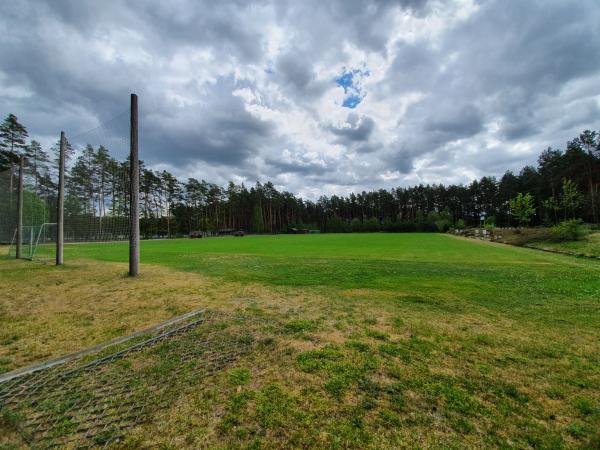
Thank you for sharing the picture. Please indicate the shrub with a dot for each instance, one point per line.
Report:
(387, 225)
(460, 224)
(442, 225)
(371, 224)
(523, 208)
(490, 223)
(569, 230)
(356, 225)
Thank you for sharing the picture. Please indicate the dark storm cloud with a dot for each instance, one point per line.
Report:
(534, 60)
(453, 121)
(323, 25)
(505, 66)
(294, 71)
(300, 168)
(217, 130)
(431, 127)
(414, 68)
(356, 129)
(543, 44)
(59, 73)
(585, 111)
(171, 24)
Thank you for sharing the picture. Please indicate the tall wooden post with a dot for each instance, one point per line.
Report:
(20, 207)
(11, 189)
(134, 204)
(60, 206)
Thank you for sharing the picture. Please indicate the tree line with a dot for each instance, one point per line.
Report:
(564, 184)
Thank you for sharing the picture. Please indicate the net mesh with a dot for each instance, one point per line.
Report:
(97, 184)
(8, 205)
(93, 401)
(97, 190)
(37, 242)
(39, 206)
(96, 198)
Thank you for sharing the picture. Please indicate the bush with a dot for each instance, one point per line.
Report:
(387, 225)
(460, 224)
(371, 225)
(569, 230)
(356, 225)
(442, 225)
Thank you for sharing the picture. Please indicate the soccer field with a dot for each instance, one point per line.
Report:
(374, 340)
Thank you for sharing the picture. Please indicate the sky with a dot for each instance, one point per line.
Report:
(319, 97)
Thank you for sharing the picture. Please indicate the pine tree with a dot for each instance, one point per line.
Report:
(12, 141)
(38, 161)
(257, 220)
(69, 153)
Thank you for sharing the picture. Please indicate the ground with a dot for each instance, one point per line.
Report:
(376, 340)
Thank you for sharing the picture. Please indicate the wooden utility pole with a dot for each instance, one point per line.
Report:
(20, 208)
(134, 209)
(61, 202)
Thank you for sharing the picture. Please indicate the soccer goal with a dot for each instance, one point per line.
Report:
(38, 242)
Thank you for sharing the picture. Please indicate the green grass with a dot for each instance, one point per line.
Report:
(427, 271)
(387, 341)
(589, 246)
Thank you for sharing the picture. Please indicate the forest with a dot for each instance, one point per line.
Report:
(563, 185)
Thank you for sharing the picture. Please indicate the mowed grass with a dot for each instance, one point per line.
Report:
(385, 340)
(424, 267)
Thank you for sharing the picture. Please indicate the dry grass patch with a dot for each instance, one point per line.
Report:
(70, 308)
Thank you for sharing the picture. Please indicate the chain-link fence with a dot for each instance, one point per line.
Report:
(94, 400)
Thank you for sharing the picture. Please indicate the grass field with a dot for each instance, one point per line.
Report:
(385, 340)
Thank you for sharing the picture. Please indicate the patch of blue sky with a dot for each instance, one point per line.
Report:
(352, 101)
(350, 81)
(345, 81)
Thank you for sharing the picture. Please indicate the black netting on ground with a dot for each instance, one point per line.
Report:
(92, 402)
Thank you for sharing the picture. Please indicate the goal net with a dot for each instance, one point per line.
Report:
(37, 242)
(97, 189)
(38, 207)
